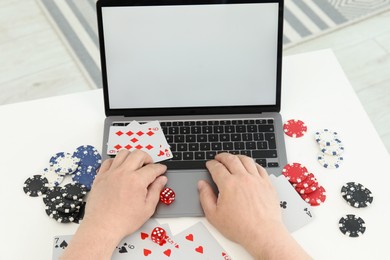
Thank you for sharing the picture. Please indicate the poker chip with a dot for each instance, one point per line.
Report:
(89, 156)
(327, 137)
(80, 213)
(85, 177)
(309, 189)
(295, 172)
(74, 191)
(35, 186)
(335, 149)
(356, 195)
(67, 206)
(51, 211)
(52, 194)
(315, 198)
(64, 163)
(352, 226)
(295, 128)
(329, 161)
(310, 179)
(52, 177)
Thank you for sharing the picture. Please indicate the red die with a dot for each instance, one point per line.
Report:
(167, 196)
(158, 236)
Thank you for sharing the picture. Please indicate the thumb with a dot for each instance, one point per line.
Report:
(154, 190)
(208, 200)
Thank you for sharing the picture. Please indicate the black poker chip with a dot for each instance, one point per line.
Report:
(35, 186)
(356, 195)
(74, 191)
(52, 194)
(51, 211)
(80, 213)
(352, 226)
(67, 206)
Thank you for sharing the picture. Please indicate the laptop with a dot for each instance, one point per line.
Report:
(208, 71)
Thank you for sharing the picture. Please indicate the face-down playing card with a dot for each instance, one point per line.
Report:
(147, 137)
(296, 213)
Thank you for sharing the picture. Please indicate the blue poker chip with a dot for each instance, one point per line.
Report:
(85, 176)
(89, 156)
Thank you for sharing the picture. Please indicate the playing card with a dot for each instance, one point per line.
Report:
(147, 137)
(196, 242)
(60, 243)
(296, 213)
(140, 246)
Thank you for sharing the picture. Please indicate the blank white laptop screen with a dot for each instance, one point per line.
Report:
(191, 56)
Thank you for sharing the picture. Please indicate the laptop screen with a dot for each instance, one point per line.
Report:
(168, 56)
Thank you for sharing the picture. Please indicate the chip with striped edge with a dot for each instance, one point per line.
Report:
(352, 226)
(295, 128)
(295, 172)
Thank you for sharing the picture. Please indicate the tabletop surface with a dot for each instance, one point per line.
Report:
(314, 89)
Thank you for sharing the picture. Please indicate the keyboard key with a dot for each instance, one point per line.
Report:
(204, 146)
(201, 123)
(261, 145)
(247, 137)
(258, 136)
(164, 129)
(250, 145)
(210, 155)
(240, 122)
(118, 124)
(200, 156)
(193, 147)
(216, 146)
(173, 130)
(235, 137)
(264, 154)
(163, 124)
(270, 121)
(190, 138)
(213, 138)
(266, 128)
(178, 138)
(234, 152)
(252, 128)
(227, 146)
(169, 138)
(188, 156)
(173, 147)
(224, 137)
(182, 147)
(196, 129)
(207, 129)
(273, 164)
(187, 123)
(177, 156)
(218, 129)
(262, 162)
(270, 137)
(182, 165)
(246, 152)
(201, 138)
(168, 123)
(184, 130)
(225, 122)
(191, 123)
(239, 146)
(229, 129)
(240, 128)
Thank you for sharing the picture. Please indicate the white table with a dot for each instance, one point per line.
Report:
(315, 90)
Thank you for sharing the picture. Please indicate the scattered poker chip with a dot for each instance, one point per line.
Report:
(74, 191)
(35, 186)
(352, 226)
(80, 213)
(329, 161)
(295, 128)
(327, 137)
(295, 172)
(52, 177)
(356, 195)
(67, 206)
(315, 198)
(64, 163)
(52, 194)
(335, 149)
(84, 177)
(310, 179)
(309, 189)
(89, 156)
(51, 211)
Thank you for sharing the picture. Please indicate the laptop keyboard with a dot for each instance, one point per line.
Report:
(194, 142)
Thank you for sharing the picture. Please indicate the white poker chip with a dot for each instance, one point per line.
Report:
(54, 179)
(327, 137)
(330, 161)
(335, 149)
(65, 163)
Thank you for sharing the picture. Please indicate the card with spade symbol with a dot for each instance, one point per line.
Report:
(60, 243)
(296, 213)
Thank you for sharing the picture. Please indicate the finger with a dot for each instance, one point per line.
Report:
(150, 172)
(231, 162)
(218, 171)
(119, 158)
(208, 199)
(154, 190)
(136, 160)
(105, 166)
(248, 163)
(262, 172)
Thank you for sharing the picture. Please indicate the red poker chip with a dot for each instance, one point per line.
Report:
(315, 198)
(295, 128)
(295, 172)
(310, 179)
(309, 189)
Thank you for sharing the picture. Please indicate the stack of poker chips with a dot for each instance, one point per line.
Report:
(331, 148)
(65, 203)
